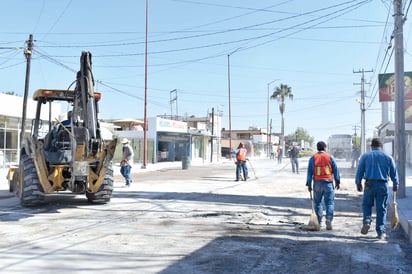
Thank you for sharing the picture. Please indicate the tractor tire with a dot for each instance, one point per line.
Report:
(104, 194)
(30, 192)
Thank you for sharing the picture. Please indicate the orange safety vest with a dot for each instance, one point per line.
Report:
(323, 166)
(241, 155)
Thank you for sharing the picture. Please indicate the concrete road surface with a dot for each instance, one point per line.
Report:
(198, 221)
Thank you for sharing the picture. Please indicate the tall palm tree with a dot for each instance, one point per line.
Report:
(280, 93)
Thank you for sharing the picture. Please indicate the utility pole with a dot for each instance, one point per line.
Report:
(145, 90)
(270, 134)
(27, 53)
(211, 136)
(363, 109)
(355, 128)
(400, 143)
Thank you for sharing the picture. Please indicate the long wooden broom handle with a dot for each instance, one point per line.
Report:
(311, 201)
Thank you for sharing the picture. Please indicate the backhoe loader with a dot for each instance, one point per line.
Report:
(70, 156)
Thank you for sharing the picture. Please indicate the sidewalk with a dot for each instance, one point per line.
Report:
(404, 205)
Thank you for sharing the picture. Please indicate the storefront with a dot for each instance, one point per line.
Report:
(169, 141)
(172, 140)
(172, 146)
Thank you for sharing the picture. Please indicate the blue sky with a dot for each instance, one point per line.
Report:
(312, 46)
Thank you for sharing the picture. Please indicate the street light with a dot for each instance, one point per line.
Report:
(230, 110)
(267, 120)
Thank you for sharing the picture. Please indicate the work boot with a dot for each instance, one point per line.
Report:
(365, 229)
(382, 236)
(328, 225)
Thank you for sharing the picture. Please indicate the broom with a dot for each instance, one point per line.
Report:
(254, 173)
(395, 217)
(313, 221)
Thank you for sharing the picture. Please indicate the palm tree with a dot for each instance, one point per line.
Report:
(281, 92)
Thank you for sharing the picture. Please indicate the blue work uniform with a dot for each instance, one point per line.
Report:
(323, 188)
(376, 167)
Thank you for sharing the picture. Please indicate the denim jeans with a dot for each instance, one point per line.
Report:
(295, 165)
(325, 190)
(375, 193)
(241, 166)
(279, 159)
(125, 171)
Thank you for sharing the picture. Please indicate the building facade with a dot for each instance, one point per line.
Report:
(170, 140)
(257, 141)
(11, 110)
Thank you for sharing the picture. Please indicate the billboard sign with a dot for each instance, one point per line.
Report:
(387, 91)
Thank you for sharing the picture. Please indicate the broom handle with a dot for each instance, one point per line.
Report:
(311, 199)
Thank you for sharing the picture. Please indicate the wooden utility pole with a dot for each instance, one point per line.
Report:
(27, 53)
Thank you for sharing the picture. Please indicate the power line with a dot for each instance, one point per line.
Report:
(59, 17)
(54, 61)
(344, 11)
(233, 30)
(129, 94)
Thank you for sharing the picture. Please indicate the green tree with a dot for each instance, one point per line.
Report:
(281, 93)
(299, 135)
(356, 141)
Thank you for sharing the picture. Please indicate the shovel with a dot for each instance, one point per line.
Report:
(395, 217)
(313, 221)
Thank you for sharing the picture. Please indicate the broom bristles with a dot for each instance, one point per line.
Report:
(395, 217)
(313, 220)
(313, 223)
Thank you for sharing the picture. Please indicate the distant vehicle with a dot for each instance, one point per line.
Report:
(305, 151)
(340, 146)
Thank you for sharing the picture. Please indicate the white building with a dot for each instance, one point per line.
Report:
(171, 140)
(11, 110)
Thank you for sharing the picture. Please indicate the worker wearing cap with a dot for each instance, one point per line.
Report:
(322, 169)
(127, 161)
(241, 153)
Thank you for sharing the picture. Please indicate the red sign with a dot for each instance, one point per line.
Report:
(387, 86)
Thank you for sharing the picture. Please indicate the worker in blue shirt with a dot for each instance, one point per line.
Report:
(376, 167)
(68, 121)
(241, 153)
(322, 170)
